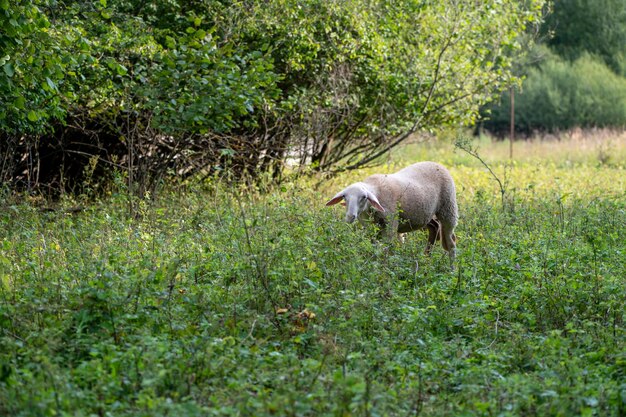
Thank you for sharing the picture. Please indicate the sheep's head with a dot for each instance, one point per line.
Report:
(357, 198)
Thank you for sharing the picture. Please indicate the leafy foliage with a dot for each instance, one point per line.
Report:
(32, 65)
(584, 26)
(576, 78)
(561, 95)
(167, 88)
(221, 302)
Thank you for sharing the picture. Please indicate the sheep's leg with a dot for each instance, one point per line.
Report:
(448, 241)
(434, 233)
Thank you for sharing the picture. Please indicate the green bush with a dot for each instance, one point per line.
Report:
(176, 88)
(31, 67)
(560, 95)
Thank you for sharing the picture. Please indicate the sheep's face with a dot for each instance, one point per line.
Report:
(357, 199)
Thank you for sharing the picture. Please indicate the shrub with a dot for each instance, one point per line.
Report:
(560, 95)
(179, 88)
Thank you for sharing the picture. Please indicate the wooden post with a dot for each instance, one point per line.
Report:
(512, 135)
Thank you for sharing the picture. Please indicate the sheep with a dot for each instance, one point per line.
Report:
(420, 196)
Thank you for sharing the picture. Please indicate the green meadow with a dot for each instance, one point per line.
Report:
(219, 300)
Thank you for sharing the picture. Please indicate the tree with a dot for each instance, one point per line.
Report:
(579, 76)
(182, 88)
(30, 68)
(359, 79)
(589, 26)
(560, 95)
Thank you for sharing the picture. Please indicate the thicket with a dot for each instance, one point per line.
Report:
(180, 89)
(561, 95)
(577, 77)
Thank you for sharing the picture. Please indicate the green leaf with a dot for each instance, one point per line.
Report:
(121, 70)
(20, 103)
(8, 69)
(51, 84)
(32, 116)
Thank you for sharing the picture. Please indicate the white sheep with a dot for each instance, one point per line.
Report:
(420, 196)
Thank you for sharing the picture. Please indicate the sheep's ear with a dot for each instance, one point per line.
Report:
(336, 199)
(374, 202)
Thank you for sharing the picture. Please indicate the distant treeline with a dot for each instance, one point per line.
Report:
(186, 88)
(575, 76)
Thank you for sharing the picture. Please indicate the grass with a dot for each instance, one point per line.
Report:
(599, 147)
(221, 302)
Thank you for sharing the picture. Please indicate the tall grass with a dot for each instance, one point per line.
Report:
(226, 302)
(586, 147)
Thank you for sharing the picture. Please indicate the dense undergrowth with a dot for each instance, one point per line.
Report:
(212, 301)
